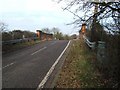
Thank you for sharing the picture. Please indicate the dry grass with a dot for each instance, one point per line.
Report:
(79, 70)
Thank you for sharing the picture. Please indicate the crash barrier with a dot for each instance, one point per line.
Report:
(17, 41)
(90, 44)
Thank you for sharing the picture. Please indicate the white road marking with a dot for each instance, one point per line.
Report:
(9, 65)
(53, 43)
(42, 83)
(39, 50)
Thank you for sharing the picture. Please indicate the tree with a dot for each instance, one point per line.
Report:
(55, 31)
(17, 34)
(106, 13)
(46, 30)
(3, 27)
(6, 36)
(66, 37)
(28, 34)
(59, 36)
(3, 30)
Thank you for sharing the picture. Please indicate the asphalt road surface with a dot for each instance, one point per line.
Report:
(27, 67)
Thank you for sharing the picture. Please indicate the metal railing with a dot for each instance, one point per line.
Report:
(17, 41)
(90, 44)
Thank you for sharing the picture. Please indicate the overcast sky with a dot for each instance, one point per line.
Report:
(35, 14)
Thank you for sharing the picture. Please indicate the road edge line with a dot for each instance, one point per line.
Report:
(42, 83)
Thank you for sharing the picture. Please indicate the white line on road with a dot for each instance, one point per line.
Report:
(52, 43)
(39, 50)
(42, 83)
(8, 65)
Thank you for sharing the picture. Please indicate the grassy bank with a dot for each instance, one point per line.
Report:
(79, 69)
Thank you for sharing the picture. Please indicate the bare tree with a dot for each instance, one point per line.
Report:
(103, 10)
(54, 30)
(46, 30)
(106, 13)
(3, 27)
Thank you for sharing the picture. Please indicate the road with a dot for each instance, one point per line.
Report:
(26, 68)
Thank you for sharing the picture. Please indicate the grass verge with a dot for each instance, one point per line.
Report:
(79, 70)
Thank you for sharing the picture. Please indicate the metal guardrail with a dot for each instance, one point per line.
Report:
(90, 44)
(18, 41)
(11, 41)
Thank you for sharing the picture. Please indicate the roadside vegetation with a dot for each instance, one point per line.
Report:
(99, 68)
(79, 69)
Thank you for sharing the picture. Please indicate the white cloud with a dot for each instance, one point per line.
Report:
(11, 5)
(34, 14)
(41, 5)
(27, 5)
